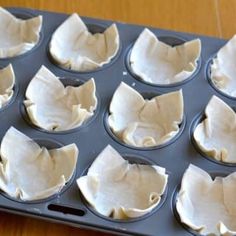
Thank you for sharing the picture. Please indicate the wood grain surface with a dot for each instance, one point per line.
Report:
(208, 17)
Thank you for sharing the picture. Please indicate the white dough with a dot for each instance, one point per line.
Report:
(18, 36)
(52, 106)
(31, 172)
(145, 123)
(122, 190)
(208, 206)
(73, 46)
(223, 68)
(7, 82)
(216, 134)
(159, 63)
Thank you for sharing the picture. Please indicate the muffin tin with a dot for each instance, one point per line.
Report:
(68, 206)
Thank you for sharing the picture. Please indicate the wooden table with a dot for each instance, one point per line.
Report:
(208, 17)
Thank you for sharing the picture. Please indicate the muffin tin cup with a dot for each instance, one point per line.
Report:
(118, 140)
(208, 77)
(132, 160)
(174, 199)
(93, 28)
(66, 81)
(199, 118)
(24, 15)
(92, 137)
(172, 41)
(15, 93)
(49, 144)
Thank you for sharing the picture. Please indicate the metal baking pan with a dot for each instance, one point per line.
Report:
(68, 206)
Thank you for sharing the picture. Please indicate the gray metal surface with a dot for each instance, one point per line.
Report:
(91, 138)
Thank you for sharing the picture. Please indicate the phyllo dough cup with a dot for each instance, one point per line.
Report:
(122, 190)
(54, 107)
(207, 206)
(73, 47)
(222, 69)
(7, 83)
(216, 134)
(30, 172)
(159, 63)
(18, 36)
(145, 123)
